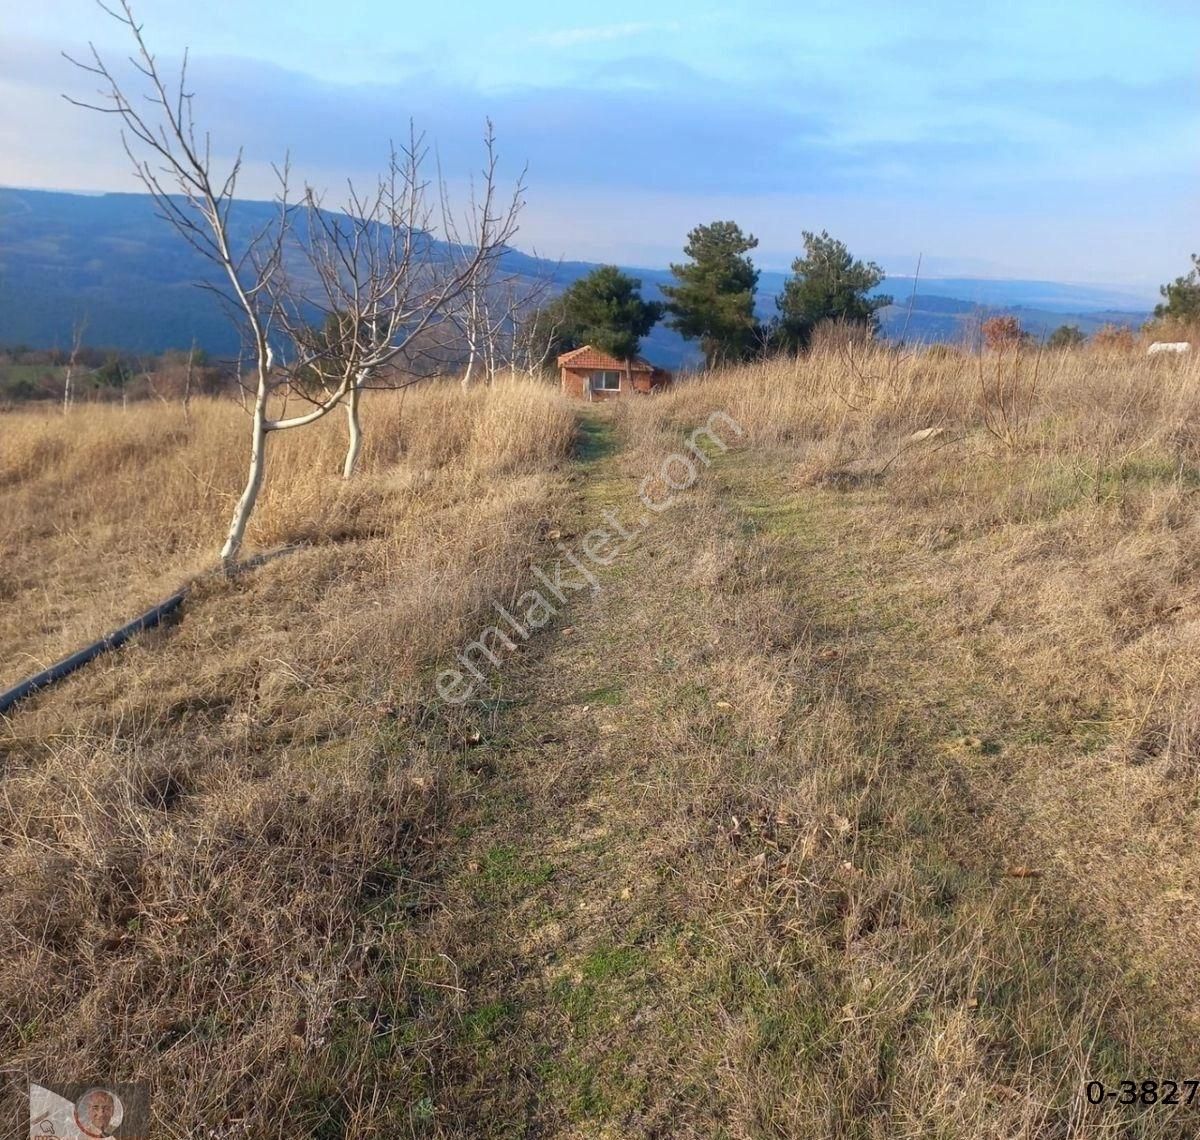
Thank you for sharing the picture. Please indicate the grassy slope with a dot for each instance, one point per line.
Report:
(213, 842)
(851, 805)
(744, 864)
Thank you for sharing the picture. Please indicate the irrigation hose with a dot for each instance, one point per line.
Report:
(118, 637)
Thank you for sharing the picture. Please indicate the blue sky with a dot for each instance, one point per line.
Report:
(1005, 139)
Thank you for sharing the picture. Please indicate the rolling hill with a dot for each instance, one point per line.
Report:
(106, 257)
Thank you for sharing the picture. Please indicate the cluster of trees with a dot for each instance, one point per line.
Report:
(1001, 333)
(90, 373)
(712, 300)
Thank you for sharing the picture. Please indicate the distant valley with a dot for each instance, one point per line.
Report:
(107, 258)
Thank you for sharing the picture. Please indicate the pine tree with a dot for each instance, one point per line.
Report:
(827, 285)
(1182, 297)
(713, 299)
(605, 309)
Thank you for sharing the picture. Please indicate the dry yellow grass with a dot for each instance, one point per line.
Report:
(1011, 608)
(198, 832)
(107, 509)
(859, 802)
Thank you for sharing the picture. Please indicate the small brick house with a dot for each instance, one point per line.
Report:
(589, 374)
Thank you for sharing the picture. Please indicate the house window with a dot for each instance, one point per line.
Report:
(606, 381)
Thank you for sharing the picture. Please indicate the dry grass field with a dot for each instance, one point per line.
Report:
(859, 799)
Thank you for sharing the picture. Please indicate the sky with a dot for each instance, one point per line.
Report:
(1023, 138)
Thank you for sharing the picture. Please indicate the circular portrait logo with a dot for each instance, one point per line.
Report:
(98, 1112)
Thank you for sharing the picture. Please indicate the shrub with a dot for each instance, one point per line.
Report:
(1066, 336)
(1000, 333)
(1172, 329)
(1113, 338)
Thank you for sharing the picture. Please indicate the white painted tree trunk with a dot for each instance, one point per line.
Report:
(187, 386)
(472, 339)
(489, 346)
(355, 447)
(254, 478)
(69, 379)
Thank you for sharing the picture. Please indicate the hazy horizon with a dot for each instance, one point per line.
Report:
(928, 268)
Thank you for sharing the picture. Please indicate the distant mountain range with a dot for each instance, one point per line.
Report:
(107, 257)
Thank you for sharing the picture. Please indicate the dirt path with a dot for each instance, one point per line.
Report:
(556, 906)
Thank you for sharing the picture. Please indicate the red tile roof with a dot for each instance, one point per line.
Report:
(589, 357)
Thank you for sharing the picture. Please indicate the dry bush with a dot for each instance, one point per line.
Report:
(210, 839)
(1113, 338)
(841, 336)
(1000, 333)
(1172, 330)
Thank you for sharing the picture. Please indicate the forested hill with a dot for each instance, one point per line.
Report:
(107, 258)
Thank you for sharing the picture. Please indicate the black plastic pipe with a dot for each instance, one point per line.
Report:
(68, 665)
(118, 637)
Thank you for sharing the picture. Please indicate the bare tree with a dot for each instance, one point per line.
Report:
(174, 164)
(536, 329)
(481, 329)
(77, 332)
(171, 377)
(471, 318)
(526, 333)
(502, 323)
(470, 321)
(378, 283)
(187, 383)
(394, 268)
